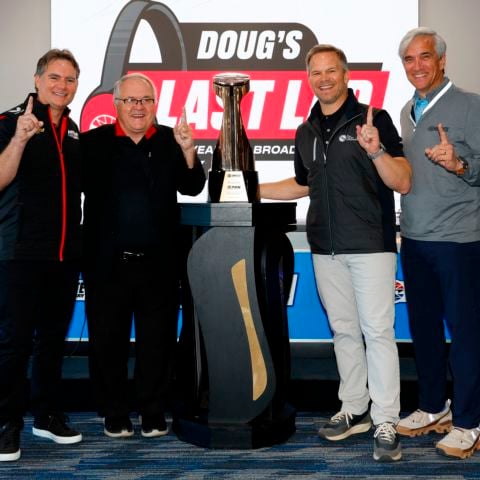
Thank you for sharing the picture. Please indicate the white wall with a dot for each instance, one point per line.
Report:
(25, 30)
(25, 37)
(457, 22)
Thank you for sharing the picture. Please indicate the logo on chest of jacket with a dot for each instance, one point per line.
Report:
(73, 134)
(346, 138)
(16, 110)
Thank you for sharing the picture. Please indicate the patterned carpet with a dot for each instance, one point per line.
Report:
(305, 456)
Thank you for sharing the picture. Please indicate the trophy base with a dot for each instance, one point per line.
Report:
(233, 186)
(261, 432)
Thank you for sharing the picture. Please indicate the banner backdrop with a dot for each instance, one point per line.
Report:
(182, 44)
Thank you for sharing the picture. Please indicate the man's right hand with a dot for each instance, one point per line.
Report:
(28, 124)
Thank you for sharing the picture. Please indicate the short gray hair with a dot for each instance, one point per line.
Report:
(440, 45)
(128, 76)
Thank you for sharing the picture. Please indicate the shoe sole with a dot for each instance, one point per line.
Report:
(442, 427)
(359, 428)
(457, 452)
(10, 457)
(154, 433)
(387, 457)
(122, 434)
(61, 440)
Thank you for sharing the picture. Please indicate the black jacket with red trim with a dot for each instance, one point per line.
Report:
(40, 210)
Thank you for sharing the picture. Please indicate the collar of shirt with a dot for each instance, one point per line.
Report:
(119, 132)
(335, 116)
(420, 103)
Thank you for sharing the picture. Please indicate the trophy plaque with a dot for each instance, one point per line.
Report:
(232, 177)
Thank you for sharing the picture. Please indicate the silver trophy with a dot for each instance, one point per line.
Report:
(232, 177)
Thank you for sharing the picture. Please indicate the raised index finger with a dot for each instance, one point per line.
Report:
(29, 108)
(370, 116)
(183, 119)
(443, 134)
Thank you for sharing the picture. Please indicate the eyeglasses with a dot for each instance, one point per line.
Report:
(130, 101)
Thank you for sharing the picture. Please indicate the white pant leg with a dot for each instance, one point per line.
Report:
(335, 287)
(373, 278)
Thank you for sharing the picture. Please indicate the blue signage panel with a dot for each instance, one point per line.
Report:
(307, 320)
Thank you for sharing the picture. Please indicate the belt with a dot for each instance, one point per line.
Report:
(133, 256)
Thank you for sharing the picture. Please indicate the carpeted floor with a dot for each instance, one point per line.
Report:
(304, 456)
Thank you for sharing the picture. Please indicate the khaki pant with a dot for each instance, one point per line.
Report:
(358, 293)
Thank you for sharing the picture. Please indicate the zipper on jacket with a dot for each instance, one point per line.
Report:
(332, 250)
(59, 142)
(325, 152)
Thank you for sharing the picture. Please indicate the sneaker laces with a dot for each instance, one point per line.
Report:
(340, 416)
(386, 432)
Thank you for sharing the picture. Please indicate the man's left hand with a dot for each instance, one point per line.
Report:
(443, 153)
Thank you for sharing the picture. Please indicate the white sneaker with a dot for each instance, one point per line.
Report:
(460, 442)
(420, 422)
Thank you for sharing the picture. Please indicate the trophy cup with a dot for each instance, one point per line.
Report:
(232, 177)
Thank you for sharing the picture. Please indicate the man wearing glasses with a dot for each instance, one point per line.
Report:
(132, 172)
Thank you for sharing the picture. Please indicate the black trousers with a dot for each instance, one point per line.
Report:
(36, 306)
(144, 292)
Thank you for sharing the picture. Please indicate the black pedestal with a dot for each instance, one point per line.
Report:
(256, 434)
(234, 341)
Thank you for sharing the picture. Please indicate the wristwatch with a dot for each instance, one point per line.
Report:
(461, 171)
(379, 153)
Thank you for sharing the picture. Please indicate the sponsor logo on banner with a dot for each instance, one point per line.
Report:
(80, 291)
(400, 296)
(272, 54)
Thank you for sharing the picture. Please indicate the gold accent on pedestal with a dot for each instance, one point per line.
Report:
(259, 371)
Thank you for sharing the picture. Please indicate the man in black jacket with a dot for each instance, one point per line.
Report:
(350, 177)
(39, 250)
(133, 170)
